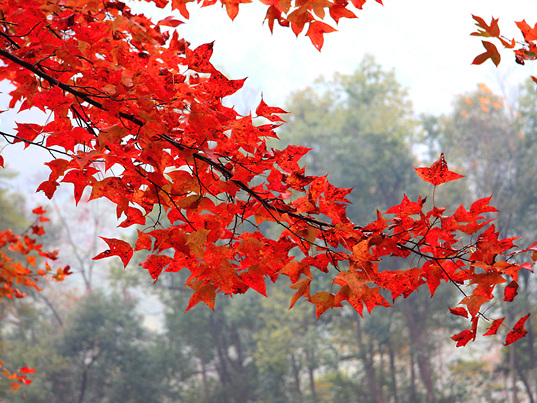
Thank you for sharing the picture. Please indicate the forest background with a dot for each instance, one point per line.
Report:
(241, 356)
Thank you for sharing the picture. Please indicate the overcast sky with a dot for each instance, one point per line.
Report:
(427, 43)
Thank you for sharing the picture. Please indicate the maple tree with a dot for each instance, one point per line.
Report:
(136, 117)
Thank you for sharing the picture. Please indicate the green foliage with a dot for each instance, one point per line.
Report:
(101, 354)
(360, 129)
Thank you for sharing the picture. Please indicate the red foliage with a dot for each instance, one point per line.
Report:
(139, 119)
(18, 270)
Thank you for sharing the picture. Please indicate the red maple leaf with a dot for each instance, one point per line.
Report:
(518, 331)
(316, 31)
(463, 337)
(438, 172)
(118, 248)
(511, 291)
(493, 329)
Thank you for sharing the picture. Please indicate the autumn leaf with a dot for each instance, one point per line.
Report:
(323, 301)
(493, 329)
(26, 370)
(474, 303)
(511, 291)
(118, 248)
(170, 22)
(303, 290)
(269, 112)
(316, 31)
(460, 311)
(486, 30)
(518, 331)
(155, 264)
(198, 59)
(203, 292)
(530, 34)
(463, 337)
(438, 173)
(339, 10)
(491, 53)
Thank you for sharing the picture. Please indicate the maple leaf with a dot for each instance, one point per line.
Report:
(460, 311)
(486, 30)
(269, 111)
(339, 10)
(303, 290)
(198, 59)
(474, 302)
(203, 292)
(27, 131)
(518, 331)
(118, 248)
(493, 329)
(530, 34)
(438, 172)
(491, 53)
(511, 291)
(255, 278)
(316, 31)
(170, 22)
(323, 301)
(155, 264)
(354, 280)
(463, 337)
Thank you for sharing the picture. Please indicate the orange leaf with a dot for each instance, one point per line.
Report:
(316, 31)
(474, 302)
(303, 289)
(203, 292)
(530, 34)
(323, 300)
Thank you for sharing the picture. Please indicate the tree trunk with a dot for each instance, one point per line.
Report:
(296, 375)
(311, 369)
(83, 386)
(413, 393)
(368, 364)
(512, 371)
(418, 338)
(527, 385)
(393, 374)
(204, 380)
(223, 371)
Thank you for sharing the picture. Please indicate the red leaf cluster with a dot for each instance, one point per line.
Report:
(138, 118)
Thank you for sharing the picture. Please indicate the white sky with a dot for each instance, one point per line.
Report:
(426, 42)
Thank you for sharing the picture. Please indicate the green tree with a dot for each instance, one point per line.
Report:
(360, 128)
